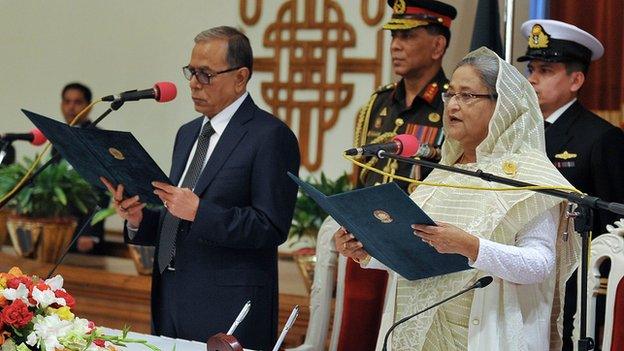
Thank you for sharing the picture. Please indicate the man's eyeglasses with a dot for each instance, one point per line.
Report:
(465, 97)
(202, 76)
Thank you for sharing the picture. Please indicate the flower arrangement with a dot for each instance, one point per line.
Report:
(36, 314)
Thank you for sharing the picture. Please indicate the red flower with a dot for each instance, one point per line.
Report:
(41, 286)
(15, 282)
(17, 314)
(91, 327)
(99, 342)
(69, 300)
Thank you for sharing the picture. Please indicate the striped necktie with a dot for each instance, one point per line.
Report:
(171, 224)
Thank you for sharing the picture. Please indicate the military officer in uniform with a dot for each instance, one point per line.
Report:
(586, 149)
(420, 36)
(420, 32)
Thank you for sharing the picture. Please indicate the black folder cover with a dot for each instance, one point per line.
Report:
(380, 217)
(118, 156)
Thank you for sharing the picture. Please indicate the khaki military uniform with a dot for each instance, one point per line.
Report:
(386, 115)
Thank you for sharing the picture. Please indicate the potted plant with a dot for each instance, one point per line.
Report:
(42, 219)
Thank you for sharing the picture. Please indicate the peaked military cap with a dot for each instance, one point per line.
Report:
(556, 41)
(408, 14)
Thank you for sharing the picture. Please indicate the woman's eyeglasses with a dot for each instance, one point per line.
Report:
(464, 97)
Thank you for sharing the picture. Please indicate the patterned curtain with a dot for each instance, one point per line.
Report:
(603, 92)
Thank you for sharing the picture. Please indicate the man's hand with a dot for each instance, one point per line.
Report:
(181, 202)
(130, 209)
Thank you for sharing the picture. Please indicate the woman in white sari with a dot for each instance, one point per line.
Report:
(492, 122)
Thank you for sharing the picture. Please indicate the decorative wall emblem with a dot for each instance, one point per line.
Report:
(308, 88)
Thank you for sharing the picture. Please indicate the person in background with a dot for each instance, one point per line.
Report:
(9, 156)
(585, 148)
(75, 97)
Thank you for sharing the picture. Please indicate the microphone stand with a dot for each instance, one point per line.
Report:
(586, 204)
(86, 224)
(481, 283)
(114, 106)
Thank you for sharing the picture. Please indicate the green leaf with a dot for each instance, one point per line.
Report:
(102, 215)
(58, 191)
(61, 195)
(80, 205)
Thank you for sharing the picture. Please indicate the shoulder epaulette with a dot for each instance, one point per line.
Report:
(385, 88)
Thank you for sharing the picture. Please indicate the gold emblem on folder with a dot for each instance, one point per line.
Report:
(383, 216)
(565, 155)
(116, 153)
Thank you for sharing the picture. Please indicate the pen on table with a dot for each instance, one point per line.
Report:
(240, 317)
(289, 323)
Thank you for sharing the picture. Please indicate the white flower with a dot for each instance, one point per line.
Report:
(31, 339)
(55, 282)
(80, 326)
(46, 297)
(47, 330)
(21, 293)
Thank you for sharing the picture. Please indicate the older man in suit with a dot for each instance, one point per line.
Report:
(585, 148)
(231, 207)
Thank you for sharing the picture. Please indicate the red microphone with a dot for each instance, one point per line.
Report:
(405, 145)
(35, 137)
(161, 92)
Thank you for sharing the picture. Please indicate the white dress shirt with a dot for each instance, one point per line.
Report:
(219, 122)
(558, 112)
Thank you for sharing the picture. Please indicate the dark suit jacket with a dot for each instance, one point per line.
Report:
(228, 254)
(594, 162)
(9, 158)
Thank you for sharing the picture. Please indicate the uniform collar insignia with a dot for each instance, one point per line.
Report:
(430, 92)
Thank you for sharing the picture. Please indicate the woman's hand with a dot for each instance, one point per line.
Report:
(447, 238)
(348, 246)
(130, 209)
